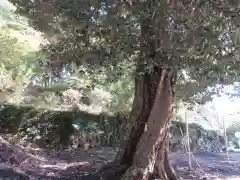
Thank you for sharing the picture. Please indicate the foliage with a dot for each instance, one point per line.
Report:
(21, 66)
(17, 62)
(60, 128)
(55, 128)
(199, 39)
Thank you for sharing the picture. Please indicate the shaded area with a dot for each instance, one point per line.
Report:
(80, 164)
(55, 128)
(48, 128)
(28, 117)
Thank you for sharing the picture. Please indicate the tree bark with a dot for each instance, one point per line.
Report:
(145, 156)
(146, 153)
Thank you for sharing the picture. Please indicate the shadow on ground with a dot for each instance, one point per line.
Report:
(21, 163)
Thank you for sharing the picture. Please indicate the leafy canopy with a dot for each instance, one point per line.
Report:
(198, 39)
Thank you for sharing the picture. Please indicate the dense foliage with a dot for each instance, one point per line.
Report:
(200, 38)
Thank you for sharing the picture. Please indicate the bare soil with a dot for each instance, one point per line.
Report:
(21, 163)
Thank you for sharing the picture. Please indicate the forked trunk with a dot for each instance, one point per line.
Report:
(146, 149)
(146, 153)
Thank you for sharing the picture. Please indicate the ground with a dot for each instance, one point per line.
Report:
(28, 163)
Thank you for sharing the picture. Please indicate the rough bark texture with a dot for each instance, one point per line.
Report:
(146, 151)
(145, 154)
(126, 148)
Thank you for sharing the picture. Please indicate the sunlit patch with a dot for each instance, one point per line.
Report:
(228, 178)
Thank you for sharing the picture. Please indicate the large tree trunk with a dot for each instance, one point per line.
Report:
(146, 150)
(146, 153)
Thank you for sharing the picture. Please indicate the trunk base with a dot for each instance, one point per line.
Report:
(119, 172)
(145, 154)
(162, 170)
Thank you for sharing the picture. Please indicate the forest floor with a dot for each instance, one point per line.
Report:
(21, 163)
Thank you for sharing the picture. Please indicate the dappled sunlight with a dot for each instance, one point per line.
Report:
(38, 162)
(19, 28)
(206, 164)
(228, 178)
(45, 162)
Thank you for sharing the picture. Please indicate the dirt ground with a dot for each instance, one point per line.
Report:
(21, 163)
